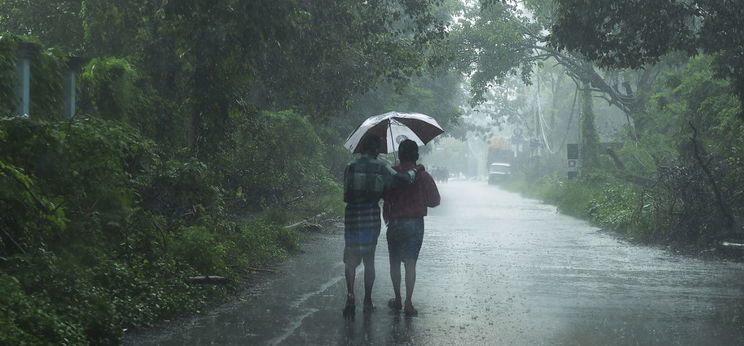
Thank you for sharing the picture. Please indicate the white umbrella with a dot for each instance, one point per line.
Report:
(393, 128)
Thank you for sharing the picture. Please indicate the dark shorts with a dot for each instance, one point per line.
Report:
(361, 230)
(404, 237)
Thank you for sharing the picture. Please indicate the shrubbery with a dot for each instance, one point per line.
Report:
(104, 217)
(681, 181)
(276, 160)
(100, 231)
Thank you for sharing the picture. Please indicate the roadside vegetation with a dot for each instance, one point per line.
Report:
(680, 181)
(102, 226)
(202, 129)
(672, 174)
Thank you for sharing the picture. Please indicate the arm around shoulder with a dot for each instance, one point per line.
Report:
(398, 179)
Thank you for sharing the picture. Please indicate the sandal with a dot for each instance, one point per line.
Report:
(368, 307)
(410, 312)
(349, 309)
(395, 304)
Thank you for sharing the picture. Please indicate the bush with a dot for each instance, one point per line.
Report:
(30, 320)
(90, 169)
(101, 225)
(99, 234)
(276, 160)
(49, 68)
(183, 191)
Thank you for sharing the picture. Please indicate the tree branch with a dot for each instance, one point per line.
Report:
(719, 199)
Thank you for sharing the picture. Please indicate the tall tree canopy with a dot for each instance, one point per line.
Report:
(204, 57)
(632, 33)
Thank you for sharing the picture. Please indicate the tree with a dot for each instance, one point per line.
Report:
(54, 22)
(504, 39)
(206, 59)
(634, 33)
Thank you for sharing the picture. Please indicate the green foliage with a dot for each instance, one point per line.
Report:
(92, 252)
(571, 196)
(437, 93)
(276, 160)
(8, 78)
(681, 179)
(589, 136)
(52, 21)
(100, 229)
(48, 71)
(183, 191)
(47, 75)
(622, 33)
(88, 167)
(702, 110)
(198, 246)
(606, 202)
(198, 60)
(110, 88)
(106, 214)
(496, 44)
(29, 320)
(29, 218)
(251, 243)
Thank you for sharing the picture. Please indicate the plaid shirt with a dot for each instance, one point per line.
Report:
(366, 178)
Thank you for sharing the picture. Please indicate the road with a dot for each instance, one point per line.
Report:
(495, 269)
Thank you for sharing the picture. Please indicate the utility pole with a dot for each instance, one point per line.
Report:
(25, 52)
(73, 68)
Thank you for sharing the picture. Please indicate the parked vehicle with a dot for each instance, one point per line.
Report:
(500, 156)
(498, 172)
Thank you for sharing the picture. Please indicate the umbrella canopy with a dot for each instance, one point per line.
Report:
(393, 128)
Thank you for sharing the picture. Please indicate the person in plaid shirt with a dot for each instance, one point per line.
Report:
(365, 180)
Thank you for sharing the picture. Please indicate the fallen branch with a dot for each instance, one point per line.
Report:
(306, 220)
(208, 279)
(268, 270)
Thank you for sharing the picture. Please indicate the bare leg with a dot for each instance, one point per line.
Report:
(369, 278)
(350, 271)
(395, 276)
(410, 281)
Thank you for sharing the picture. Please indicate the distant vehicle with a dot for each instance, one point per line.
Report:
(500, 156)
(498, 172)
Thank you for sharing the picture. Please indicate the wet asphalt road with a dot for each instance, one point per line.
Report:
(495, 269)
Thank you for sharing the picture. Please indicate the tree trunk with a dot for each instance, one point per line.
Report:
(589, 136)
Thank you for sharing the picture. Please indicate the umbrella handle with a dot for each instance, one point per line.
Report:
(392, 140)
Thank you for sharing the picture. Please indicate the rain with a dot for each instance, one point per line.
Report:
(381, 172)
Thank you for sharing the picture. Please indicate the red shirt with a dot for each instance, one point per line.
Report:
(411, 200)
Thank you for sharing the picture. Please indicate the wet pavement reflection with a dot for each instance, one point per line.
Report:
(495, 268)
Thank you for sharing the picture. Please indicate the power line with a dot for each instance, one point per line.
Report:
(543, 124)
(541, 120)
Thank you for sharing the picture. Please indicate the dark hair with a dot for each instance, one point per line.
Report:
(408, 151)
(371, 144)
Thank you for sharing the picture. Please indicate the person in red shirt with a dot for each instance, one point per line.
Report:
(404, 210)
